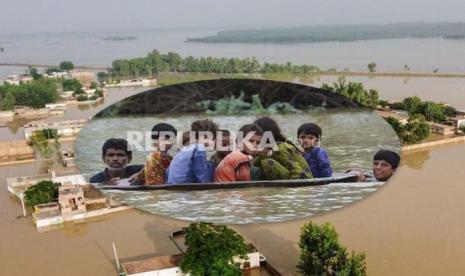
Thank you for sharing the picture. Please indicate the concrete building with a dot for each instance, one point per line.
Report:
(133, 82)
(71, 199)
(442, 129)
(64, 128)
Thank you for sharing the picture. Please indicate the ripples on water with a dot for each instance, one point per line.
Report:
(350, 137)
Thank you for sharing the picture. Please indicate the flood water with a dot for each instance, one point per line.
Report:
(345, 137)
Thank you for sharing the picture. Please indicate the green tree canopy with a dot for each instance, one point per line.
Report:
(8, 102)
(210, 250)
(34, 94)
(372, 66)
(41, 193)
(71, 85)
(66, 65)
(322, 254)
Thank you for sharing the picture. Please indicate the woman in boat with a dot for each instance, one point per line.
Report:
(286, 161)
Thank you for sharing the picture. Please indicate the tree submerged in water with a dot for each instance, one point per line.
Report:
(41, 193)
(321, 253)
(211, 250)
(233, 106)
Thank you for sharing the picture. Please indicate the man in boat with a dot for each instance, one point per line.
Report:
(236, 166)
(385, 163)
(116, 156)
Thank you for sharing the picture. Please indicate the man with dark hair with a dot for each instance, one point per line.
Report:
(116, 156)
(385, 163)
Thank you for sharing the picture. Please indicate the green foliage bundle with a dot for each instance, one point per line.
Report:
(211, 249)
(233, 105)
(41, 193)
(321, 253)
(34, 94)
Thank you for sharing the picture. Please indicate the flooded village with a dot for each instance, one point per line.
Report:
(83, 212)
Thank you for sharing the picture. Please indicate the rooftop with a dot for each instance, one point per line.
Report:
(150, 264)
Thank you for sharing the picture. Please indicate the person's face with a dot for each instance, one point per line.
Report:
(116, 159)
(308, 141)
(225, 146)
(252, 145)
(163, 143)
(382, 170)
(207, 141)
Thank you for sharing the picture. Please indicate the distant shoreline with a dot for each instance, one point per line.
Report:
(321, 73)
(337, 33)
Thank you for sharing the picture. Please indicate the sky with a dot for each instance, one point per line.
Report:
(56, 16)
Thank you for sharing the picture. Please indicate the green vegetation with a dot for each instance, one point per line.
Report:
(338, 33)
(34, 94)
(66, 65)
(416, 129)
(71, 85)
(211, 249)
(372, 67)
(355, 92)
(41, 193)
(233, 105)
(436, 112)
(155, 63)
(34, 73)
(321, 253)
(39, 140)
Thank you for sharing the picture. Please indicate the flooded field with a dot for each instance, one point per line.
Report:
(341, 137)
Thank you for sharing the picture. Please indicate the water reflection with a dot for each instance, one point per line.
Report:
(416, 159)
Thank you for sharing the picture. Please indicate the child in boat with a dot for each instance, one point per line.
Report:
(154, 172)
(190, 165)
(286, 161)
(236, 166)
(223, 142)
(309, 135)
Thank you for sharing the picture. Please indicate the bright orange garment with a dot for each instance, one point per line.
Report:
(234, 167)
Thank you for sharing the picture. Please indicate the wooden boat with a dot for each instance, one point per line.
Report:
(292, 183)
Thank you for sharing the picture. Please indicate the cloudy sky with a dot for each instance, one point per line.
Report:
(36, 16)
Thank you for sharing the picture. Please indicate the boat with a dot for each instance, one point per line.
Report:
(124, 184)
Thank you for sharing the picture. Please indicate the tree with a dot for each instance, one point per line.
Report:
(211, 250)
(71, 85)
(41, 193)
(372, 67)
(416, 129)
(433, 111)
(34, 73)
(8, 102)
(396, 125)
(406, 67)
(412, 105)
(93, 85)
(321, 253)
(66, 65)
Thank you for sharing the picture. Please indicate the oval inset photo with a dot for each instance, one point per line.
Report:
(237, 151)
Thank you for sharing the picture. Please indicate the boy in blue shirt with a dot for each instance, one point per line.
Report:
(309, 135)
(190, 165)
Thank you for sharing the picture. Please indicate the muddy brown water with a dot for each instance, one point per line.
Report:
(414, 225)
